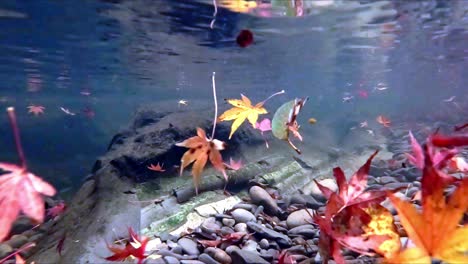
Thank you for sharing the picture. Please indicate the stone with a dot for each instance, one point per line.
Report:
(306, 200)
(315, 191)
(261, 197)
(219, 255)
(229, 222)
(264, 232)
(299, 217)
(207, 259)
(240, 227)
(264, 244)
(247, 257)
(307, 231)
(226, 230)
(210, 226)
(189, 246)
(16, 241)
(231, 248)
(191, 261)
(250, 245)
(171, 260)
(5, 249)
(242, 215)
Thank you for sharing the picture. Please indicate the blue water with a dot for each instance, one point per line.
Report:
(110, 57)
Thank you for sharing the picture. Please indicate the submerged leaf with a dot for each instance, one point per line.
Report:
(242, 110)
(200, 150)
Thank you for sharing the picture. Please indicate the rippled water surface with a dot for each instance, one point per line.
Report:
(100, 60)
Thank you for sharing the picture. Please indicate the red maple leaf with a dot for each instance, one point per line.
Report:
(56, 210)
(156, 167)
(20, 190)
(134, 247)
(352, 192)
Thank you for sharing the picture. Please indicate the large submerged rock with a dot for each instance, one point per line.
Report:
(123, 193)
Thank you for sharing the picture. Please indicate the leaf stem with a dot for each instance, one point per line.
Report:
(21, 249)
(14, 126)
(215, 103)
(280, 92)
(214, 14)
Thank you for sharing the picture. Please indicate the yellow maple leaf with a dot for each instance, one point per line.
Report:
(435, 230)
(242, 110)
(382, 224)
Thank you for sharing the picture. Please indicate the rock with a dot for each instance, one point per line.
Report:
(171, 260)
(315, 191)
(307, 231)
(299, 217)
(264, 232)
(5, 249)
(306, 200)
(228, 222)
(240, 227)
(264, 244)
(210, 226)
(250, 245)
(191, 261)
(247, 257)
(219, 255)
(207, 259)
(231, 249)
(261, 197)
(16, 241)
(269, 255)
(189, 246)
(242, 215)
(225, 230)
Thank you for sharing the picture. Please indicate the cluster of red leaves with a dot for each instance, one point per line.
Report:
(341, 224)
(134, 247)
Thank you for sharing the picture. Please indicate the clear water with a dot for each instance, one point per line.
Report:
(112, 56)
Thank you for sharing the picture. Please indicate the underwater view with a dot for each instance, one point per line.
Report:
(234, 131)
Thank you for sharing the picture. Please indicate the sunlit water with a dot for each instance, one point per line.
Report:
(403, 59)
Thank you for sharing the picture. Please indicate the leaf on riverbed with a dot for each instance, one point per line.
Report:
(135, 247)
(200, 150)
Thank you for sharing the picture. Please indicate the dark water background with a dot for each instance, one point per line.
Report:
(129, 53)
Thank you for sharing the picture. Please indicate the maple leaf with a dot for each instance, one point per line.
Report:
(134, 247)
(234, 165)
(36, 109)
(449, 141)
(20, 190)
(353, 192)
(264, 125)
(439, 157)
(435, 230)
(200, 150)
(286, 258)
(384, 121)
(56, 210)
(157, 168)
(242, 110)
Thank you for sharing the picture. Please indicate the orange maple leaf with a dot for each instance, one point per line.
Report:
(158, 167)
(435, 230)
(200, 150)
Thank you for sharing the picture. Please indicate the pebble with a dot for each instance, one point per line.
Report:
(5, 250)
(280, 238)
(231, 249)
(264, 244)
(207, 259)
(250, 245)
(261, 197)
(226, 230)
(219, 255)
(16, 241)
(306, 200)
(248, 207)
(189, 246)
(240, 227)
(229, 222)
(242, 215)
(210, 226)
(315, 191)
(191, 261)
(247, 257)
(298, 218)
(171, 260)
